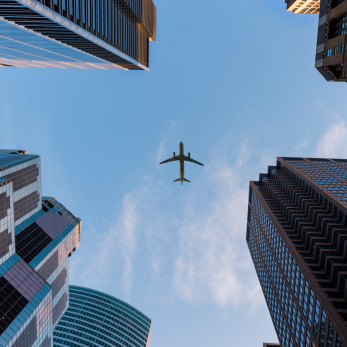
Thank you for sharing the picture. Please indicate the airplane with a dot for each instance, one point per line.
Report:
(181, 158)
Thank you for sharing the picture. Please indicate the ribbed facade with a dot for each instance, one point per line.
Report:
(296, 234)
(97, 319)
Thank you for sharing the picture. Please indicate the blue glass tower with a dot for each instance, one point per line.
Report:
(37, 237)
(96, 319)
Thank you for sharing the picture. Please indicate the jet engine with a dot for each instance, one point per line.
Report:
(173, 155)
(188, 154)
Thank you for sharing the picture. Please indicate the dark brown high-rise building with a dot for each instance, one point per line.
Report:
(331, 59)
(297, 237)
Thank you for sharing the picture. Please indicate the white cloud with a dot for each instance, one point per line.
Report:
(193, 245)
(113, 255)
(334, 142)
(213, 263)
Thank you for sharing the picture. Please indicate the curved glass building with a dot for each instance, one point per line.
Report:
(97, 319)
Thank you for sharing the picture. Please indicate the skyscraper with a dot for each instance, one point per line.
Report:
(331, 59)
(331, 41)
(37, 235)
(85, 34)
(297, 237)
(97, 319)
(270, 344)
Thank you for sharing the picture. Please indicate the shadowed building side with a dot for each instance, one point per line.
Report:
(331, 56)
(331, 59)
(297, 237)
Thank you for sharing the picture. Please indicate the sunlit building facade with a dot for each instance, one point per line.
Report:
(37, 236)
(297, 237)
(303, 6)
(84, 34)
(96, 319)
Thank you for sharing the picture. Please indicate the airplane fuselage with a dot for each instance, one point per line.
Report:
(181, 160)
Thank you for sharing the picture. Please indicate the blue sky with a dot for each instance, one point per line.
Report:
(235, 81)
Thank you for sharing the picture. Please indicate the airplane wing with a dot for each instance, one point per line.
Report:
(168, 160)
(192, 160)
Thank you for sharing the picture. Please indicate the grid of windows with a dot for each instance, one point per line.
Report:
(338, 26)
(329, 175)
(315, 229)
(11, 303)
(31, 241)
(26, 299)
(279, 276)
(303, 6)
(94, 318)
(114, 22)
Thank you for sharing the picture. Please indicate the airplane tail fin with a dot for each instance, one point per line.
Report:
(178, 179)
(184, 179)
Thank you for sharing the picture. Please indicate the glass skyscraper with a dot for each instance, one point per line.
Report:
(37, 236)
(85, 34)
(297, 237)
(96, 319)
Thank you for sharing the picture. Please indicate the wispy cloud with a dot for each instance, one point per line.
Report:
(113, 256)
(213, 264)
(195, 247)
(334, 142)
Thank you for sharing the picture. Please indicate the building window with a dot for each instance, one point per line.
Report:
(302, 336)
(322, 329)
(293, 320)
(301, 289)
(330, 335)
(94, 14)
(329, 52)
(338, 26)
(307, 338)
(310, 308)
(287, 338)
(316, 318)
(304, 309)
(338, 342)
(342, 47)
(336, 49)
(89, 12)
(297, 331)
